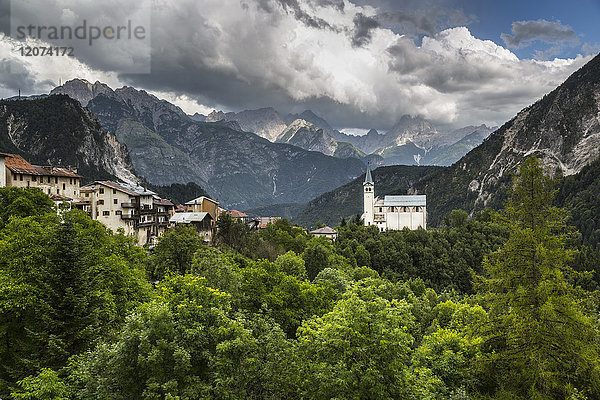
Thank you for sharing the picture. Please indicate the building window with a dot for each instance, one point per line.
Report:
(100, 202)
(34, 178)
(115, 201)
(87, 195)
(48, 191)
(64, 187)
(380, 209)
(101, 191)
(70, 181)
(21, 177)
(48, 179)
(118, 212)
(105, 213)
(115, 192)
(56, 179)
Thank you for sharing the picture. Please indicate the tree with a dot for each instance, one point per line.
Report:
(182, 345)
(539, 342)
(175, 251)
(357, 351)
(17, 202)
(316, 256)
(46, 385)
(64, 283)
(232, 232)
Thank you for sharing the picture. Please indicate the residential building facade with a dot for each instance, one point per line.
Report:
(201, 213)
(136, 210)
(17, 172)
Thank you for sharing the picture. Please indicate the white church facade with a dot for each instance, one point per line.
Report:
(393, 212)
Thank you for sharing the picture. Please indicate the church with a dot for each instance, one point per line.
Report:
(392, 212)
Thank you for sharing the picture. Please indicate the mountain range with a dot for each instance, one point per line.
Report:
(562, 129)
(240, 168)
(56, 130)
(413, 140)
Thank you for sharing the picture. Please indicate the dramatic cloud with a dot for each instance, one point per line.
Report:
(362, 29)
(342, 60)
(524, 32)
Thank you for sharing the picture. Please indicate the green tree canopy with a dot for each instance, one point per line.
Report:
(539, 341)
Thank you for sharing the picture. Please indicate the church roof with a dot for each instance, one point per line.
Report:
(410, 201)
(368, 178)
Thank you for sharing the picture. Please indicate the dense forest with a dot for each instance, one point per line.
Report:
(499, 305)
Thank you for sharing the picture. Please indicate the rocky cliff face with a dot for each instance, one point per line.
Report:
(562, 129)
(56, 130)
(265, 122)
(308, 136)
(240, 168)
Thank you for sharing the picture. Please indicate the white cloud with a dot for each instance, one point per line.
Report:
(257, 53)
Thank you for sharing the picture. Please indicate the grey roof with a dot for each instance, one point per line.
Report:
(188, 217)
(368, 178)
(410, 200)
(324, 231)
(132, 190)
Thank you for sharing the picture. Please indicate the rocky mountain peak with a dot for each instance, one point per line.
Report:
(82, 90)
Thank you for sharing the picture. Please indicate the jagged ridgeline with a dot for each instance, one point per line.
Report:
(239, 168)
(347, 201)
(56, 130)
(562, 130)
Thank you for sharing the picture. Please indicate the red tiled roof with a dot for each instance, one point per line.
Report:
(163, 202)
(19, 165)
(237, 214)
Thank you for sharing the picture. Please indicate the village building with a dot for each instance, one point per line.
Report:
(138, 211)
(15, 171)
(2, 169)
(201, 213)
(326, 232)
(392, 212)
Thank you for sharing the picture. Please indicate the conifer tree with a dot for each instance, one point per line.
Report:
(539, 343)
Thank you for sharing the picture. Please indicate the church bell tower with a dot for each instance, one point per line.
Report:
(369, 199)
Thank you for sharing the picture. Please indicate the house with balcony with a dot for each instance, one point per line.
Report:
(138, 211)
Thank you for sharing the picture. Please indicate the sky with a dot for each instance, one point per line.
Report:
(359, 64)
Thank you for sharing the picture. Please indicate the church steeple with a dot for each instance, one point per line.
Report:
(368, 178)
(368, 197)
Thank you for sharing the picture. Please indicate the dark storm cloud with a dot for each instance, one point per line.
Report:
(362, 29)
(301, 15)
(546, 31)
(428, 20)
(257, 53)
(14, 76)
